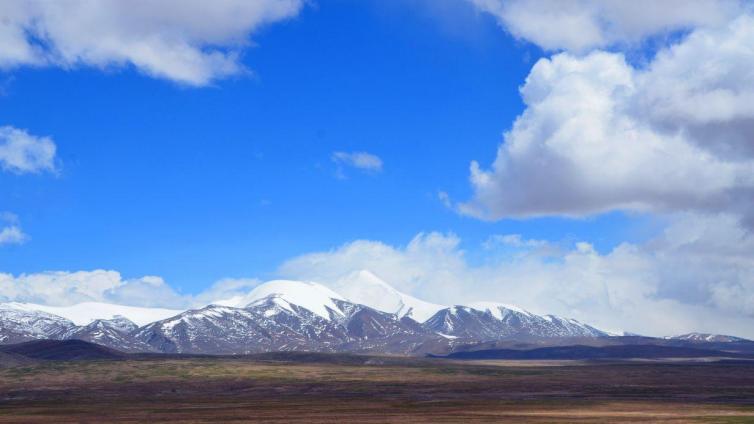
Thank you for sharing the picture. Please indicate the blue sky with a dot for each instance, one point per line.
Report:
(213, 158)
(199, 183)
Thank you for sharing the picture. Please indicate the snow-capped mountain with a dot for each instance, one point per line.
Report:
(20, 325)
(706, 337)
(312, 296)
(119, 324)
(266, 326)
(87, 312)
(286, 315)
(370, 330)
(114, 332)
(364, 315)
(490, 321)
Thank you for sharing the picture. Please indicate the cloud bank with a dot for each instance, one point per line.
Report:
(689, 278)
(188, 41)
(63, 288)
(697, 275)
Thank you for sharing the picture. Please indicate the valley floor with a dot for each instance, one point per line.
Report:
(341, 388)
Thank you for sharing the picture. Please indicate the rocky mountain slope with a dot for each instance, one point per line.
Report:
(19, 325)
(115, 333)
(494, 322)
(273, 322)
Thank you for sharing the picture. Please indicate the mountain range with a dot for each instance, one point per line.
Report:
(365, 316)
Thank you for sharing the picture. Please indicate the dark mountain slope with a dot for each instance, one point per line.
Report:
(64, 350)
(594, 352)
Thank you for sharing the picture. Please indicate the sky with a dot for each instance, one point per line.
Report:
(588, 159)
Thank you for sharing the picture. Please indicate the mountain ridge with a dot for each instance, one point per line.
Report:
(289, 315)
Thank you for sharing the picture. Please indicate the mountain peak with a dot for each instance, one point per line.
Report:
(366, 288)
(306, 294)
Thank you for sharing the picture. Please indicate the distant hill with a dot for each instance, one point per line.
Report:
(64, 350)
(596, 352)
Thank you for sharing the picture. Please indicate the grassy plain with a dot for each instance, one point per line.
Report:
(359, 389)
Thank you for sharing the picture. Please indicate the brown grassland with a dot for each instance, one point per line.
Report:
(353, 389)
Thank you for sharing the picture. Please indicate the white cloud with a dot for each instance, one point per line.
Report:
(598, 134)
(580, 25)
(188, 41)
(361, 160)
(58, 288)
(62, 288)
(444, 198)
(657, 288)
(225, 289)
(150, 291)
(10, 230)
(21, 152)
(704, 88)
(12, 235)
(431, 258)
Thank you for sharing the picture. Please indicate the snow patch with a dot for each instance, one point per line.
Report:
(447, 336)
(497, 309)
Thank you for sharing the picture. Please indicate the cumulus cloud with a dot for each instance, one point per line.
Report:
(191, 42)
(21, 152)
(656, 288)
(598, 134)
(431, 257)
(580, 25)
(704, 89)
(360, 160)
(672, 136)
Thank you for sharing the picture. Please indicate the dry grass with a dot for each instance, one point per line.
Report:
(221, 389)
